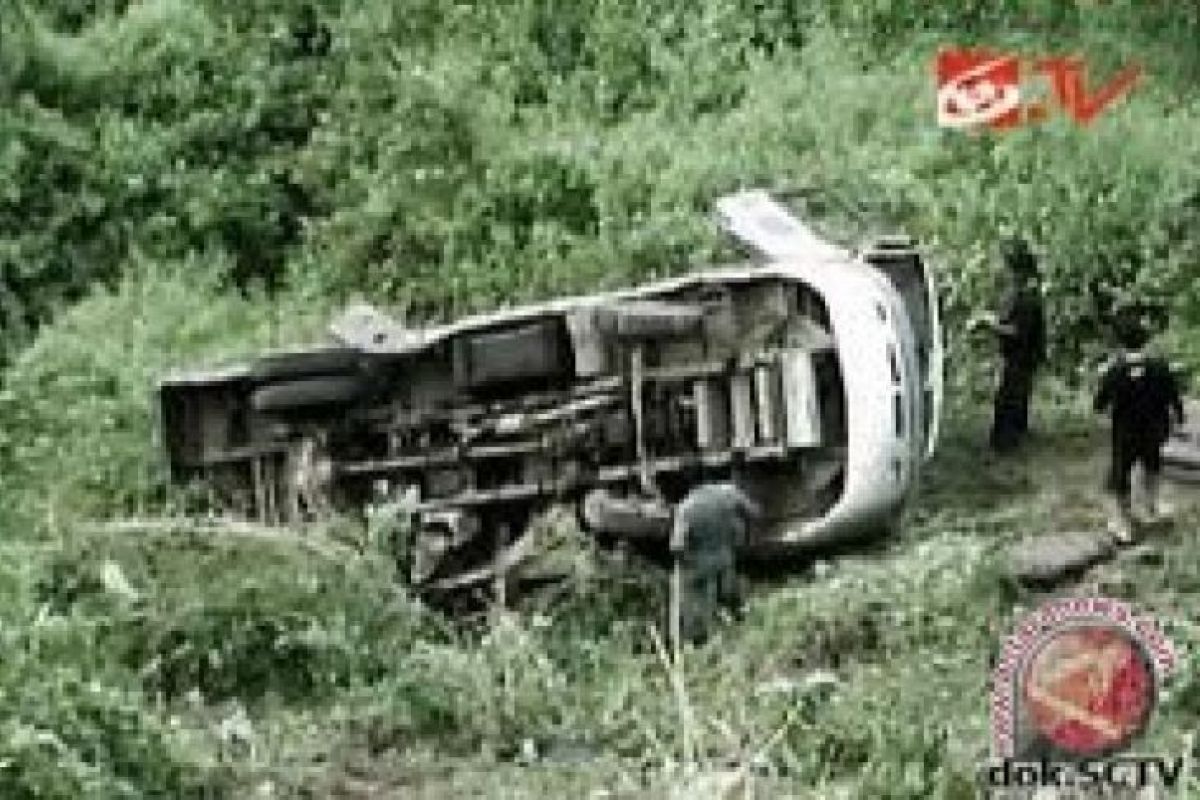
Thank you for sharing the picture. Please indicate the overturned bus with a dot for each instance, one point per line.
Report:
(810, 376)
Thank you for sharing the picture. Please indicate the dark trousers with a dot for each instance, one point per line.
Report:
(706, 589)
(1011, 418)
(1129, 450)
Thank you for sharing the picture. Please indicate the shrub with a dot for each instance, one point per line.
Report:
(77, 413)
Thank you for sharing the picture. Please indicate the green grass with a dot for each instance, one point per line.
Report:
(866, 675)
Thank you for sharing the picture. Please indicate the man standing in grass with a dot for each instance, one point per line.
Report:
(1021, 328)
(709, 524)
(1143, 397)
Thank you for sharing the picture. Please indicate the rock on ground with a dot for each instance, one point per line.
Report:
(1054, 557)
(1182, 453)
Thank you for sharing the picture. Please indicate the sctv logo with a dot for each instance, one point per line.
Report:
(983, 88)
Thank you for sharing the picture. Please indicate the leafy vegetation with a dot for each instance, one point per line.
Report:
(450, 158)
(184, 182)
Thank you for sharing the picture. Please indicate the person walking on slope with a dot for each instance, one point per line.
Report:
(1142, 395)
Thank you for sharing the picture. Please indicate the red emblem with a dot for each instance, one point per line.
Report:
(978, 87)
(1089, 689)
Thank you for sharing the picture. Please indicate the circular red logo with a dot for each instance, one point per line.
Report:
(1089, 689)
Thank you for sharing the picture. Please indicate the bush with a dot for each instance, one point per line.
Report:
(231, 616)
(77, 411)
(66, 735)
(488, 154)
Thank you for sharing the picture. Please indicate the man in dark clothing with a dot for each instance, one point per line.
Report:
(1021, 328)
(1142, 394)
(708, 525)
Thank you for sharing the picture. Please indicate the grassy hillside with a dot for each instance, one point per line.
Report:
(235, 661)
(188, 181)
